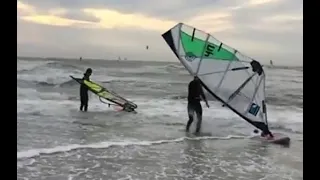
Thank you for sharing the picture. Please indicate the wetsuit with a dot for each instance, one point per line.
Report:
(84, 98)
(195, 93)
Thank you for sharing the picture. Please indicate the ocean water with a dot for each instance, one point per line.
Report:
(56, 141)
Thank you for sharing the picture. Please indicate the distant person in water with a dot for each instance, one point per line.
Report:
(84, 98)
(195, 93)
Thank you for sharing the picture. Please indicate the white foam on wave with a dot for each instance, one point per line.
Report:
(51, 103)
(29, 65)
(57, 104)
(31, 100)
(45, 107)
(175, 110)
(57, 75)
(179, 107)
(33, 94)
(102, 145)
(285, 114)
(289, 73)
(47, 75)
(44, 74)
(175, 66)
(143, 69)
(287, 118)
(105, 78)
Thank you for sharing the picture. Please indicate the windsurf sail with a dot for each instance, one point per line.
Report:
(229, 76)
(102, 92)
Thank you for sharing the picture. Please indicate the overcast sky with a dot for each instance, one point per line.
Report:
(262, 29)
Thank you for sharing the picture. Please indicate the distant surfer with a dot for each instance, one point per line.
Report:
(195, 93)
(84, 98)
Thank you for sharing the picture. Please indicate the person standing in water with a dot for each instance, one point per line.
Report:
(195, 93)
(84, 97)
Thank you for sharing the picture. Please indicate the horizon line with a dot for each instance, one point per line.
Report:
(99, 59)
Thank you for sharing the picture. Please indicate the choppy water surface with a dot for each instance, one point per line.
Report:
(56, 141)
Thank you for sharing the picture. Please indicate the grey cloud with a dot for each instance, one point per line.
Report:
(100, 43)
(111, 43)
(115, 42)
(79, 15)
(249, 25)
(179, 10)
(255, 14)
(285, 46)
(78, 4)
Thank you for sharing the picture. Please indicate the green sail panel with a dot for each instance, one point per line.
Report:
(195, 47)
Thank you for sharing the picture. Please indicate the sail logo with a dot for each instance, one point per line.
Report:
(209, 50)
(254, 109)
(190, 56)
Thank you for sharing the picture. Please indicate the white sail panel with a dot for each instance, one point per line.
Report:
(236, 80)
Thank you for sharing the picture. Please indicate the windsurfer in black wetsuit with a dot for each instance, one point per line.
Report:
(195, 93)
(84, 98)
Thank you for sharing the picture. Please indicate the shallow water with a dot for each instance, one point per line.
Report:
(56, 141)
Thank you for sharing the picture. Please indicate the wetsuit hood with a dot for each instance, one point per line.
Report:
(88, 72)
